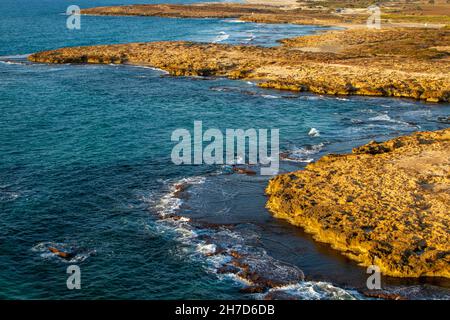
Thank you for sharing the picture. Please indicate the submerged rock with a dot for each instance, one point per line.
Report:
(386, 204)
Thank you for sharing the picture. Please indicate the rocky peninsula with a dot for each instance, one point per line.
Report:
(394, 61)
(325, 12)
(409, 63)
(385, 204)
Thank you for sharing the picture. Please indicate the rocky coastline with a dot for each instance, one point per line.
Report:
(347, 62)
(385, 204)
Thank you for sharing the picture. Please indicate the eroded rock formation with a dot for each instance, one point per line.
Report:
(385, 204)
(350, 62)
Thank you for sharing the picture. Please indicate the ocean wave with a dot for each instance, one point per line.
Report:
(6, 194)
(311, 290)
(144, 67)
(253, 92)
(234, 21)
(387, 118)
(18, 56)
(269, 96)
(171, 202)
(221, 37)
(302, 154)
(313, 132)
(19, 59)
(12, 62)
(231, 251)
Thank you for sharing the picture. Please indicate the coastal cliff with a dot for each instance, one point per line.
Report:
(388, 62)
(385, 204)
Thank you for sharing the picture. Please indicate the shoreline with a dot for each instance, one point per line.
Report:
(391, 62)
(274, 12)
(321, 70)
(344, 62)
(384, 204)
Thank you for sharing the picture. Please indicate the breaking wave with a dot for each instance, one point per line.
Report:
(302, 154)
(313, 132)
(221, 37)
(233, 251)
(387, 118)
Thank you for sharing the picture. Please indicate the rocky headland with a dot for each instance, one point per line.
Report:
(394, 61)
(411, 63)
(385, 204)
(341, 12)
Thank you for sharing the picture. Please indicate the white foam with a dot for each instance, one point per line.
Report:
(18, 56)
(313, 132)
(386, 118)
(12, 62)
(307, 151)
(8, 195)
(269, 96)
(169, 204)
(206, 249)
(382, 117)
(221, 37)
(300, 160)
(144, 67)
(234, 21)
(311, 290)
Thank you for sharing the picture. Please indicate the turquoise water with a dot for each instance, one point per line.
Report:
(85, 164)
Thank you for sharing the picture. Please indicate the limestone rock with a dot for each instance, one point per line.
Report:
(386, 204)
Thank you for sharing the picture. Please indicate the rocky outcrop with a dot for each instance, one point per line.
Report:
(385, 204)
(298, 12)
(246, 12)
(356, 65)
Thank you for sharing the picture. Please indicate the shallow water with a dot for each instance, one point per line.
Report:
(85, 163)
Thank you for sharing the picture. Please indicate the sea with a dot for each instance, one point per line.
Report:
(85, 167)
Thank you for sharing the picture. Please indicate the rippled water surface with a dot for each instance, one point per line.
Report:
(85, 166)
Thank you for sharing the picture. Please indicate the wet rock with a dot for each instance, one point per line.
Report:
(246, 171)
(444, 119)
(62, 254)
(383, 295)
(228, 269)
